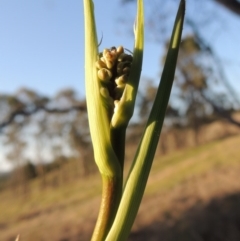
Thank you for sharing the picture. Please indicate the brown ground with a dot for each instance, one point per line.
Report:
(205, 208)
(191, 195)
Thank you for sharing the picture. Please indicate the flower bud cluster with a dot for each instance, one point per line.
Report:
(113, 70)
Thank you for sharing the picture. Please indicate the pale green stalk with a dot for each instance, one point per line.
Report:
(98, 116)
(139, 172)
(126, 104)
(127, 101)
(104, 154)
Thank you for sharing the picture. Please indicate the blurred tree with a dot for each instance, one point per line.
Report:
(45, 125)
(14, 147)
(232, 5)
(30, 170)
(145, 100)
(76, 130)
(198, 95)
(13, 107)
(200, 88)
(81, 143)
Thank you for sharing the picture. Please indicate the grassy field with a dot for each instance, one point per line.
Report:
(192, 194)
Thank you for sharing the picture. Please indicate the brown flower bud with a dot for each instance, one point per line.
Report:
(100, 64)
(121, 80)
(125, 57)
(121, 66)
(104, 74)
(110, 57)
(126, 70)
(120, 50)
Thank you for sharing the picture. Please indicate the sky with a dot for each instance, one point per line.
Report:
(42, 43)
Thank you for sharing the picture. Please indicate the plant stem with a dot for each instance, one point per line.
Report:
(118, 143)
(139, 172)
(111, 195)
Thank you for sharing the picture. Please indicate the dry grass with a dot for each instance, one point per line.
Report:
(183, 188)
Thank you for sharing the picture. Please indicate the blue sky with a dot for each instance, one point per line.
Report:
(42, 43)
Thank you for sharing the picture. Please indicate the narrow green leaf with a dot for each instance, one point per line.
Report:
(98, 118)
(127, 102)
(99, 124)
(139, 172)
(125, 108)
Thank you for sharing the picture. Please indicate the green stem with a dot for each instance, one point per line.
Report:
(138, 176)
(118, 136)
(111, 195)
